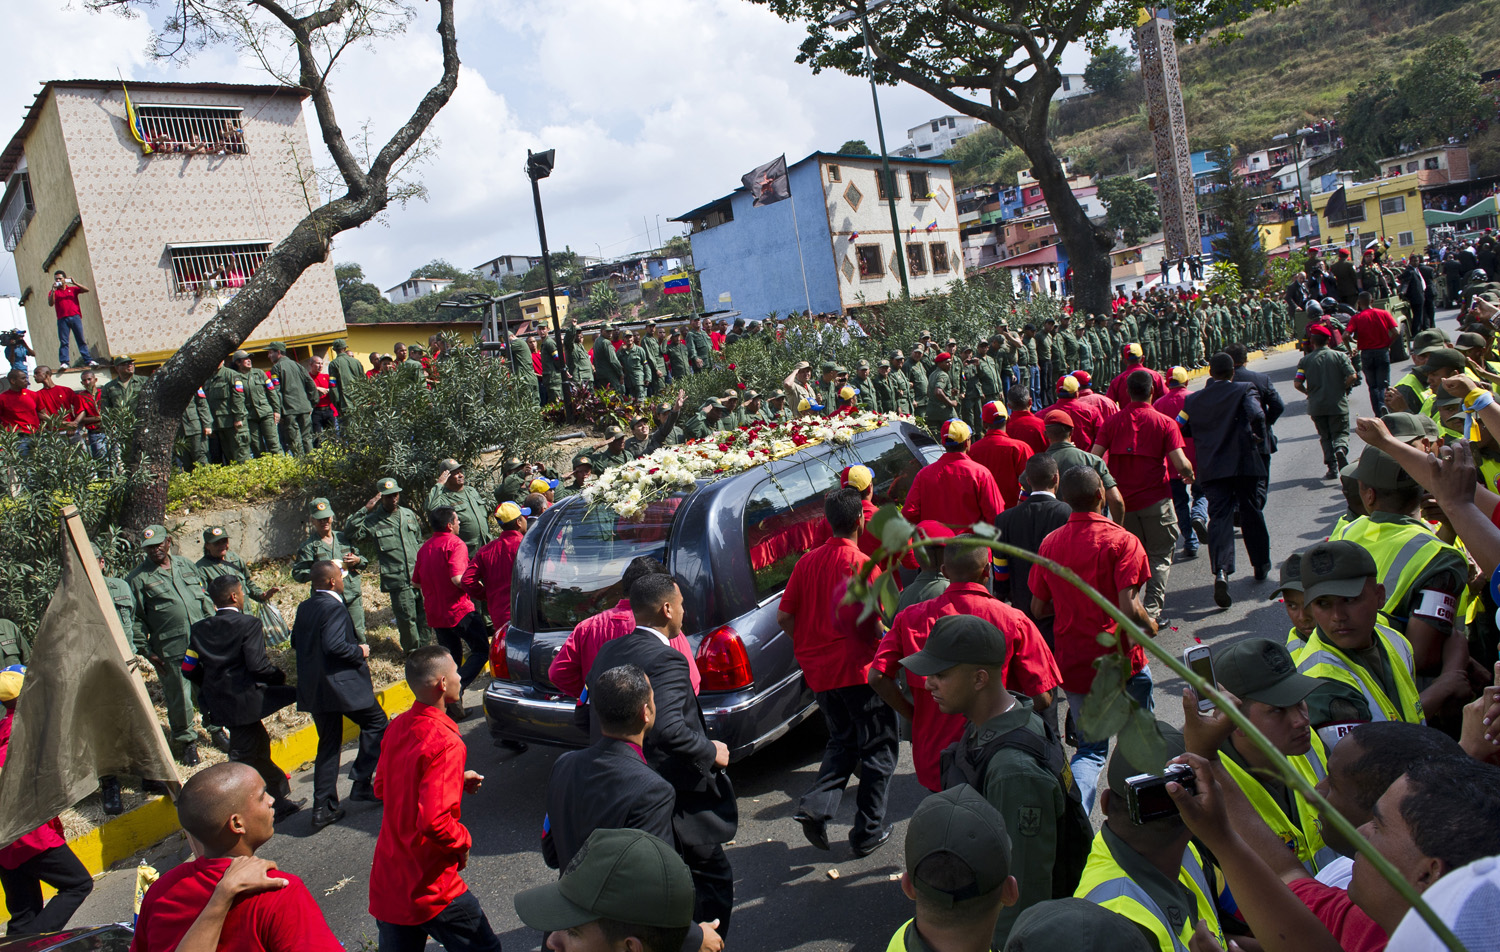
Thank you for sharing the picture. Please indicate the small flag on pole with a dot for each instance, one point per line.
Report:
(677, 286)
(768, 184)
(134, 122)
(853, 236)
(932, 225)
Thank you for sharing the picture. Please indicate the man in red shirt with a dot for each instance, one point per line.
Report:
(835, 651)
(1029, 666)
(439, 574)
(1004, 457)
(488, 575)
(324, 412)
(53, 399)
(18, 409)
(1098, 404)
(1138, 443)
(416, 891)
(1134, 362)
(63, 297)
(1114, 563)
(227, 810)
(1024, 425)
(1087, 418)
(575, 659)
(1190, 504)
(1372, 329)
(954, 490)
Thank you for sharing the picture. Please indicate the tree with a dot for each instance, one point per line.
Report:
(998, 62)
(355, 290)
(1132, 208)
(855, 147)
(678, 246)
(1108, 71)
(1441, 92)
(603, 302)
(1368, 122)
(1232, 204)
(439, 268)
(316, 32)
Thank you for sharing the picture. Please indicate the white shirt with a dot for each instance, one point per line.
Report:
(331, 592)
(664, 639)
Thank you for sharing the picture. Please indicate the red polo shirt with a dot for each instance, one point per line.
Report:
(1029, 666)
(18, 411)
(955, 491)
(1087, 418)
(1372, 328)
(438, 560)
(38, 841)
(575, 659)
(53, 400)
(420, 781)
(64, 300)
(1136, 442)
(1004, 458)
(832, 653)
(1171, 405)
(489, 573)
(1029, 429)
(1107, 557)
(281, 920)
(1120, 395)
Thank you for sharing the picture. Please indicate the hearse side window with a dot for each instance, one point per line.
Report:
(889, 460)
(783, 520)
(586, 555)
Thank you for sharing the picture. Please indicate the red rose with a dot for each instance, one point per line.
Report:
(723, 447)
(798, 439)
(731, 366)
(739, 386)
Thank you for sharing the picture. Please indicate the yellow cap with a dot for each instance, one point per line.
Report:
(846, 393)
(1180, 374)
(859, 477)
(10, 685)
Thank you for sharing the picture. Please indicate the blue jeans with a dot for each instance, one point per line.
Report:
(64, 326)
(1089, 759)
(1187, 511)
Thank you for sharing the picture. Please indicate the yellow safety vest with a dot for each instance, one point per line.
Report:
(1105, 884)
(1305, 834)
(1321, 659)
(1401, 552)
(1294, 640)
(1429, 409)
(898, 941)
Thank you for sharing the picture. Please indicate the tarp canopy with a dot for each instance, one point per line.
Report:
(1490, 206)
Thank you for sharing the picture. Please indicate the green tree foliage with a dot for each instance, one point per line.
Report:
(1442, 94)
(438, 268)
(678, 246)
(1369, 120)
(360, 298)
(603, 302)
(1233, 205)
(1109, 71)
(855, 147)
(1132, 208)
(985, 157)
(364, 303)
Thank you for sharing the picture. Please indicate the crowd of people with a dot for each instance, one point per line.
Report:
(1383, 694)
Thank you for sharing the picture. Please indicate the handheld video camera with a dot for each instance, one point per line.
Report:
(13, 336)
(1146, 794)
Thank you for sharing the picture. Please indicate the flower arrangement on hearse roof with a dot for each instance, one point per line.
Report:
(628, 489)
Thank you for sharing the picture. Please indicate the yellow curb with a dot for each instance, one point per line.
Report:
(156, 819)
(1278, 349)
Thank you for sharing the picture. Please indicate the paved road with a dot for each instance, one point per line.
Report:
(786, 898)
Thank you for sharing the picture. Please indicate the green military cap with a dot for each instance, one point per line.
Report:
(214, 534)
(450, 466)
(1290, 579)
(897, 355)
(957, 639)
(240, 355)
(777, 394)
(415, 349)
(1259, 669)
(714, 403)
(751, 395)
(926, 335)
(388, 486)
(829, 367)
(613, 433)
(1468, 340)
(1443, 399)
(320, 508)
(884, 363)
(663, 408)
(277, 345)
(1121, 769)
(121, 361)
(964, 825)
(1379, 471)
(340, 344)
(1445, 358)
(1338, 567)
(728, 395)
(840, 369)
(154, 535)
(582, 459)
(640, 419)
(624, 875)
(1075, 924)
(862, 365)
(1409, 427)
(511, 465)
(1432, 337)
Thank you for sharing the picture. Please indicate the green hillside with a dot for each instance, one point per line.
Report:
(1288, 67)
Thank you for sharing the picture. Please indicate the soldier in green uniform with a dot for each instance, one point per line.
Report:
(124, 389)
(229, 408)
(298, 395)
(607, 370)
(553, 365)
(942, 395)
(987, 379)
(886, 395)
(968, 383)
(197, 429)
(703, 423)
(901, 384)
(678, 355)
(583, 470)
(774, 409)
(14, 648)
(397, 534)
(635, 367)
(700, 346)
(219, 560)
(579, 365)
(452, 489)
(916, 375)
(345, 375)
(514, 477)
(324, 544)
(656, 356)
(262, 403)
(168, 598)
(867, 398)
(412, 365)
(612, 453)
(668, 417)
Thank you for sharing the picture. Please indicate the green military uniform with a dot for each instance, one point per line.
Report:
(298, 395)
(345, 376)
(1323, 373)
(168, 601)
(195, 420)
(229, 407)
(635, 366)
(124, 601)
(969, 409)
(607, 369)
(263, 401)
(678, 352)
(655, 358)
(512, 486)
(14, 648)
(473, 514)
(916, 374)
(611, 453)
(698, 426)
(868, 397)
(700, 346)
(315, 549)
(553, 364)
(397, 536)
(938, 410)
(120, 393)
(886, 394)
(578, 357)
(210, 568)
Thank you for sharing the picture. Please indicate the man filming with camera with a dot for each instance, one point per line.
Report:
(63, 297)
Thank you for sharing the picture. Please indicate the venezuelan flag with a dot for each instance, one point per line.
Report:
(134, 122)
(189, 661)
(677, 286)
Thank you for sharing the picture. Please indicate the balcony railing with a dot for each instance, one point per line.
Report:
(192, 130)
(16, 210)
(202, 268)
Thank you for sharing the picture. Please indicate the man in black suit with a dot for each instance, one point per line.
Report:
(706, 814)
(1229, 428)
(1270, 402)
(333, 682)
(238, 685)
(1428, 318)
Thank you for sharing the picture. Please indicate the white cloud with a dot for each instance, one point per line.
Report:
(654, 107)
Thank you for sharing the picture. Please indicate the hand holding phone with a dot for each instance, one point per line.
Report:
(1200, 659)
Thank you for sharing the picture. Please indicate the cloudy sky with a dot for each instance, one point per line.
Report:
(653, 106)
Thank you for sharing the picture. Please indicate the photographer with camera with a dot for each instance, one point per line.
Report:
(64, 301)
(16, 348)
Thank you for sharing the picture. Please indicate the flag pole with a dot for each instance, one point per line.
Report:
(806, 297)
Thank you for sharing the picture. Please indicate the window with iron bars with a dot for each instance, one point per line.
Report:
(193, 130)
(16, 210)
(210, 269)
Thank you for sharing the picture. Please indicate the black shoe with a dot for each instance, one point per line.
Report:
(1188, 555)
(363, 792)
(189, 756)
(457, 712)
(220, 739)
(154, 787)
(1262, 572)
(323, 816)
(865, 849)
(285, 808)
(1221, 589)
(519, 746)
(1340, 460)
(1200, 529)
(109, 796)
(816, 831)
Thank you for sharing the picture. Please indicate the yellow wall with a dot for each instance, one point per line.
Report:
(540, 307)
(1391, 225)
(1275, 235)
(382, 338)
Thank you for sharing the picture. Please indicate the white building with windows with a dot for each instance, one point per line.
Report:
(506, 266)
(162, 231)
(1072, 87)
(936, 136)
(413, 288)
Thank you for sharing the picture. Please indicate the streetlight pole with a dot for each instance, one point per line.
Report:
(538, 167)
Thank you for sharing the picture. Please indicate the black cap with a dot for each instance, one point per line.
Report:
(1076, 925)
(1337, 567)
(1259, 669)
(957, 639)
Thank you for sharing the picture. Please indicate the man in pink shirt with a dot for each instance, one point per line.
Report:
(488, 575)
(1004, 457)
(438, 573)
(63, 297)
(570, 668)
(954, 490)
(18, 409)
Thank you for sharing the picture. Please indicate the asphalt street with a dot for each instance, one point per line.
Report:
(788, 894)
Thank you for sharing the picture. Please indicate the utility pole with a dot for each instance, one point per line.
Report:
(538, 167)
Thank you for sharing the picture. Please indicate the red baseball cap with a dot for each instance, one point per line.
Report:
(928, 529)
(1083, 378)
(1059, 417)
(991, 410)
